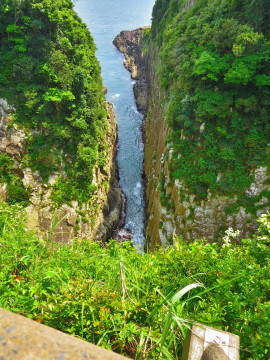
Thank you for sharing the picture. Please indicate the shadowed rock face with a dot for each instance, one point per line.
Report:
(67, 221)
(181, 213)
(214, 352)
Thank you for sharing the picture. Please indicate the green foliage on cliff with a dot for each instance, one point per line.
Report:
(14, 187)
(215, 69)
(49, 73)
(131, 303)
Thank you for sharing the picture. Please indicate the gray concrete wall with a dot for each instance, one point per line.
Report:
(24, 339)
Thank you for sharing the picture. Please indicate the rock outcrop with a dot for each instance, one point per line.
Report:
(12, 140)
(130, 43)
(93, 220)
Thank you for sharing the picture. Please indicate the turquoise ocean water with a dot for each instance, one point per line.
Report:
(105, 19)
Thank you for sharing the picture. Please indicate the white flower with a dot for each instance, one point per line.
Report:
(230, 234)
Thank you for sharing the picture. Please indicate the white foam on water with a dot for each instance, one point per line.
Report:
(134, 109)
(137, 191)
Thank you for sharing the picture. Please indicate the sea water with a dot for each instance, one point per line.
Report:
(105, 19)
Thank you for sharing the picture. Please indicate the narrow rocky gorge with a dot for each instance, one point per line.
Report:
(172, 210)
(135, 177)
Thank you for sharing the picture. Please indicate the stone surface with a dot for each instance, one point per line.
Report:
(111, 199)
(3, 192)
(12, 141)
(130, 44)
(24, 339)
(206, 343)
(214, 352)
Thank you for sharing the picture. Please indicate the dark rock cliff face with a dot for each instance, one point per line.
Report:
(69, 220)
(109, 196)
(131, 45)
(171, 209)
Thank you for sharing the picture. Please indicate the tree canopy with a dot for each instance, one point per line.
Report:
(49, 73)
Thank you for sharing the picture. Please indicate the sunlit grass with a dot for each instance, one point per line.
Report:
(140, 305)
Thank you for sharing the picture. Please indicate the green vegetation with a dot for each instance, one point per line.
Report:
(214, 67)
(138, 304)
(49, 73)
(215, 70)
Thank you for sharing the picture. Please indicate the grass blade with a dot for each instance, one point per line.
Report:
(183, 291)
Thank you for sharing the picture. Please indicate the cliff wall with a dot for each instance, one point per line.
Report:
(57, 147)
(205, 171)
(94, 220)
(204, 174)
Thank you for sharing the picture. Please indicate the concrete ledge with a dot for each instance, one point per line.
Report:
(25, 339)
(206, 343)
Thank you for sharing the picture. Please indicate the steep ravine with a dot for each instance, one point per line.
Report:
(170, 207)
(128, 43)
(210, 170)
